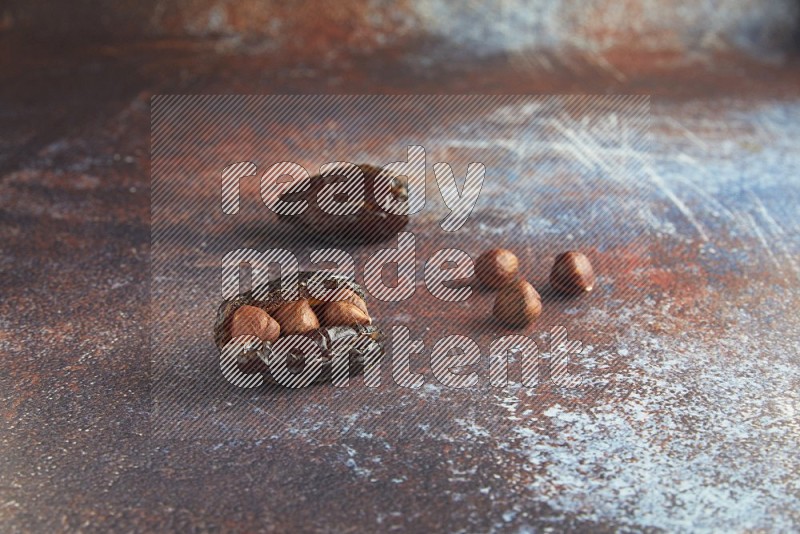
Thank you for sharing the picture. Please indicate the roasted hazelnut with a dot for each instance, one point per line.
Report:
(344, 295)
(496, 267)
(296, 317)
(252, 321)
(517, 304)
(572, 273)
(343, 314)
(365, 342)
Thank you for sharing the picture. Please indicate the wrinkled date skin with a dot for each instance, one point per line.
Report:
(369, 224)
(368, 340)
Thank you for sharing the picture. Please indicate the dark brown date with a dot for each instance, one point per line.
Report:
(369, 224)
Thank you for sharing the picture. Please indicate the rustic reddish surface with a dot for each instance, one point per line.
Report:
(75, 391)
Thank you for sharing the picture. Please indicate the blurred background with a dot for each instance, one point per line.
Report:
(64, 66)
(630, 33)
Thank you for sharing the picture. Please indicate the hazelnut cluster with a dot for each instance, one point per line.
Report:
(299, 316)
(269, 313)
(517, 303)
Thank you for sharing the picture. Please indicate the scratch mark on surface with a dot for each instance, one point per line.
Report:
(683, 208)
(702, 192)
(777, 229)
(691, 136)
(761, 237)
(606, 65)
(584, 148)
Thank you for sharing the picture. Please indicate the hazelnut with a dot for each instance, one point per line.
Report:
(296, 318)
(517, 304)
(572, 273)
(252, 321)
(344, 295)
(496, 267)
(343, 314)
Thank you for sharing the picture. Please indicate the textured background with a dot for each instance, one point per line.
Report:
(704, 430)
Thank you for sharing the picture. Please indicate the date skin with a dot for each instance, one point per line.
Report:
(370, 224)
